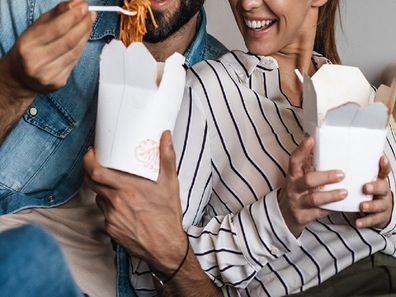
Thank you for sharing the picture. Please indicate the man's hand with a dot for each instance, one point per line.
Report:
(45, 54)
(300, 200)
(377, 212)
(42, 59)
(146, 218)
(143, 216)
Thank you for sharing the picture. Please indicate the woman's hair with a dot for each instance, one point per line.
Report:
(325, 40)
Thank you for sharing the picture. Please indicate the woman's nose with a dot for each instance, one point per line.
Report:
(250, 4)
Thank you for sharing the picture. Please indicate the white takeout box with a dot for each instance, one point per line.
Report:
(348, 121)
(138, 100)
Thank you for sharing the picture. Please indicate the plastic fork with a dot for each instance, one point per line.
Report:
(112, 9)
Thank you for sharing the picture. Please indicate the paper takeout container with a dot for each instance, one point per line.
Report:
(348, 121)
(138, 100)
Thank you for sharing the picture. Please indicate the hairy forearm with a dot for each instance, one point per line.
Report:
(190, 281)
(14, 100)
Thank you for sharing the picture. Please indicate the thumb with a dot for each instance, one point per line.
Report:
(167, 156)
(385, 168)
(300, 156)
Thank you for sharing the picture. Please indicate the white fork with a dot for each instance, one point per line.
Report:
(112, 9)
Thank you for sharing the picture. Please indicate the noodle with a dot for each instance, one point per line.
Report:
(133, 28)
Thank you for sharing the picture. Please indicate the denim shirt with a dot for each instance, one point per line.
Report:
(41, 159)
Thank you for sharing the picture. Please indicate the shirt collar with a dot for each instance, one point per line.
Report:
(196, 51)
(246, 63)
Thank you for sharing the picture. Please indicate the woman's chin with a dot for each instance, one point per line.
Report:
(259, 49)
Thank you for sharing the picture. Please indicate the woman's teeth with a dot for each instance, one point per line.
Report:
(258, 25)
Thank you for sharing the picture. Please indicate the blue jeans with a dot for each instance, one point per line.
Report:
(32, 264)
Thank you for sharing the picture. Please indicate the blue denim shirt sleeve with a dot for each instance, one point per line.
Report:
(15, 17)
(40, 160)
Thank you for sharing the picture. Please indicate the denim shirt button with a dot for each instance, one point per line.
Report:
(33, 111)
(51, 199)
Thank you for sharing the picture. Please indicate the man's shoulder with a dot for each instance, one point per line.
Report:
(215, 49)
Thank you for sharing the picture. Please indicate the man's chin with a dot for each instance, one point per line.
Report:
(157, 35)
(154, 39)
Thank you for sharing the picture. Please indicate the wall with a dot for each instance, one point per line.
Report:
(368, 38)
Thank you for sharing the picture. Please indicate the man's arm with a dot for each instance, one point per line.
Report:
(190, 281)
(14, 100)
(42, 59)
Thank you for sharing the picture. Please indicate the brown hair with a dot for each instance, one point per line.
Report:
(325, 40)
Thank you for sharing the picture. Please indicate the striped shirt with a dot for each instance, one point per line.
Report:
(233, 138)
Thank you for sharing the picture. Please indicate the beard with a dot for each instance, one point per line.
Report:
(171, 22)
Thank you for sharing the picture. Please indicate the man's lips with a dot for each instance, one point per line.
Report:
(160, 4)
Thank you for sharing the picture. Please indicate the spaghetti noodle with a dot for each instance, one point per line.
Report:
(133, 28)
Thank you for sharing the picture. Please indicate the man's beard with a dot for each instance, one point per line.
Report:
(170, 23)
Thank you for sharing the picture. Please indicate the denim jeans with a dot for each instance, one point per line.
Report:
(32, 264)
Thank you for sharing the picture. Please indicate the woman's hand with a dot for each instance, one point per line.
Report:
(378, 212)
(300, 199)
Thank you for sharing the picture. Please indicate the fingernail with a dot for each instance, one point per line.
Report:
(93, 16)
(344, 193)
(89, 148)
(309, 142)
(170, 139)
(365, 207)
(340, 174)
(359, 224)
(369, 188)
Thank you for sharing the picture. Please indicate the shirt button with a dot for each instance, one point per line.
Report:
(33, 111)
(51, 199)
(275, 251)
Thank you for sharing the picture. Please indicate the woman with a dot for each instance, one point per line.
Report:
(251, 106)
(250, 204)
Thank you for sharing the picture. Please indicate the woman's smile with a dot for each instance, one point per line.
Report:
(258, 27)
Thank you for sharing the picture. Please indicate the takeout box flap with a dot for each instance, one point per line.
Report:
(174, 74)
(140, 67)
(112, 63)
(136, 67)
(339, 95)
(173, 70)
(309, 106)
(373, 116)
(337, 84)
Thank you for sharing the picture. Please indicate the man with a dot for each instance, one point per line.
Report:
(48, 83)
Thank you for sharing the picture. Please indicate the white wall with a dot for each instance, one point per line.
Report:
(368, 39)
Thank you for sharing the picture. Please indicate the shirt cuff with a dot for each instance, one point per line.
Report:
(279, 223)
(262, 232)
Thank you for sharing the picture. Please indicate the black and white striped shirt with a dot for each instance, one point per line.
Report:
(234, 136)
